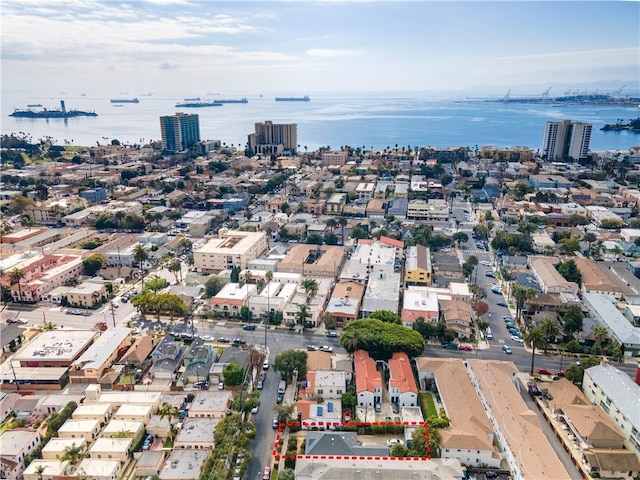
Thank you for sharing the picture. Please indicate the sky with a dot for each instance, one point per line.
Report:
(304, 47)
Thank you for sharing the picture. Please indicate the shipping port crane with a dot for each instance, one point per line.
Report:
(618, 91)
(545, 94)
(506, 97)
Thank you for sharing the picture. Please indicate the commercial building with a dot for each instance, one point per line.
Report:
(55, 348)
(273, 138)
(313, 260)
(616, 393)
(433, 209)
(90, 366)
(232, 248)
(180, 131)
(566, 139)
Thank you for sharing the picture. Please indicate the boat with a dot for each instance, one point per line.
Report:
(117, 105)
(198, 104)
(147, 94)
(125, 100)
(62, 112)
(34, 105)
(293, 99)
(233, 100)
(194, 99)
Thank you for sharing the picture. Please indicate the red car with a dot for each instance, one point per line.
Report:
(544, 371)
(466, 348)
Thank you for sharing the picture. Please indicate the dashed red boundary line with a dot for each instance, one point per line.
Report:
(282, 426)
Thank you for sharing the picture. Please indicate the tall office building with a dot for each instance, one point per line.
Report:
(270, 138)
(179, 131)
(566, 139)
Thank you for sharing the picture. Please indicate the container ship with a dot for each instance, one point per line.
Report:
(233, 100)
(293, 99)
(125, 100)
(198, 104)
(57, 113)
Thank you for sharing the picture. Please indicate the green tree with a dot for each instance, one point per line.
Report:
(213, 285)
(551, 330)
(589, 237)
(357, 233)
(386, 316)
(290, 360)
(283, 412)
(399, 451)
(140, 255)
(92, 264)
(15, 277)
(175, 267)
(123, 433)
(314, 238)
(569, 245)
(460, 238)
(521, 295)
(570, 271)
(287, 474)
(303, 313)
(233, 374)
(168, 411)
(600, 335)
(536, 338)
(571, 317)
(330, 238)
(381, 338)
(156, 284)
(49, 326)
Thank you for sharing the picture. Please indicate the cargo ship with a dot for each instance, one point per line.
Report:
(57, 113)
(193, 99)
(293, 99)
(198, 104)
(233, 100)
(125, 100)
(34, 105)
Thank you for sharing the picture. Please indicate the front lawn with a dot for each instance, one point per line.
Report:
(428, 405)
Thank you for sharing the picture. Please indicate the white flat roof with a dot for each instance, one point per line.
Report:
(56, 345)
(114, 445)
(98, 353)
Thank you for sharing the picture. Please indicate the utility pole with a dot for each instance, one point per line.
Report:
(113, 315)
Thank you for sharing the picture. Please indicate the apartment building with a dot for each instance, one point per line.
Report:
(344, 304)
(273, 138)
(368, 379)
(603, 309)
(55, 348)
(433, 209)
(232, 248)
(335, 204)
(87, 294)
(566, 139)
(91, 365)
(402, 384)
(544, 271)
(617, 394)
(469, 437)
(417, 266)
(15, 445)
(43, 274)
(180, 131)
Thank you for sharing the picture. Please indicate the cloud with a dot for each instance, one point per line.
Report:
(327, 52)
(168, 66)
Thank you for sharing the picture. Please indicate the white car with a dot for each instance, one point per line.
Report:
(23, 321)
(516, 338)
(394, 441)
(486, 263)
(255, 409)
(326, 348)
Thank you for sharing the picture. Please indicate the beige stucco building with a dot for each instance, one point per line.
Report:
(232, 248)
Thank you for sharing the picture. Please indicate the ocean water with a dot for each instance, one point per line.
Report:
(329, 119)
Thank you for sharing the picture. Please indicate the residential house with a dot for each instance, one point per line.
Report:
(402, 384)
(419, 302)
(457, 316)
(417, 267)
(15, 445)
(368, 379)
(345, 301)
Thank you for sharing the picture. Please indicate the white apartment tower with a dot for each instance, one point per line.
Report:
(566, 139)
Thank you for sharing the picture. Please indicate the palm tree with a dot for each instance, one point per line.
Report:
(168, 410)
(589, 237)
(521, 295)
(123, 434)
(40, 470)
(15, 276)
(536, 339)
(311, 287)
(74, 454)
(303, 313)
(49, 326)
(140, 255)
(600, 334)
(268, 276)
(175, 267)
(550, 328)
(342, 221)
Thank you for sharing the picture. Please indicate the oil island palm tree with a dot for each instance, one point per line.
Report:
(536, 339)
(16, 276)
(140, 255)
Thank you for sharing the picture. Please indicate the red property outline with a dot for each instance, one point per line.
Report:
(281, 427)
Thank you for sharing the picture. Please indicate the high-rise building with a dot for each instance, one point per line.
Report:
(566, 139)
(270, 138)
(179, 131)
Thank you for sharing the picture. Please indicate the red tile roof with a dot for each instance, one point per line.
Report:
(367, 376)
(401, 373)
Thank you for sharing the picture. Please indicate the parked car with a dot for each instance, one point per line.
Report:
(265, 365)
(332, 334)
(313, 348)
(486, 263)
(326, 348)
(394, 441)
(450, 346)
(239, 341)
(266, 473)
(491, 474)
(224, 340)
(516, 338)
(18, 320)
(544, 371)
(220, 385)
(76, 312)
(502, 304)
(249, 327)
(260, 385)
(490, 274)
(395, 407)
(275, 423)
(466, 348)
(255, 409)
(506, 350)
